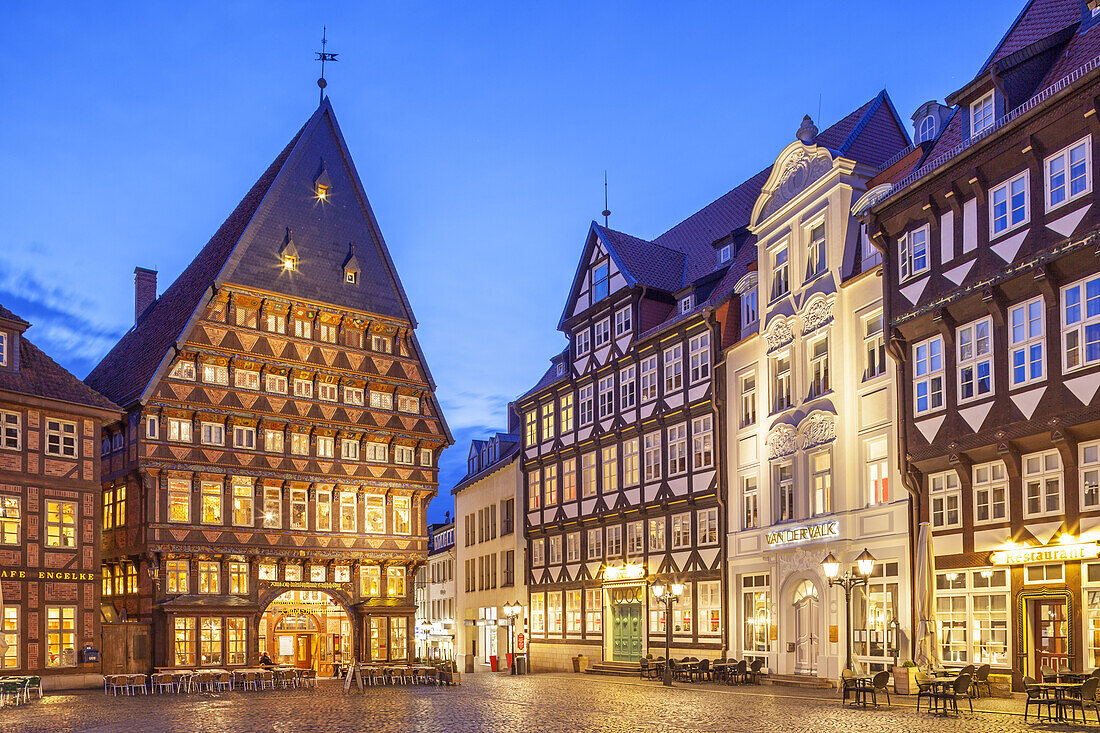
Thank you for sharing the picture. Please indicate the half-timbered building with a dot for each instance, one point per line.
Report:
(267, 488)
(50, 427)
(992, 280)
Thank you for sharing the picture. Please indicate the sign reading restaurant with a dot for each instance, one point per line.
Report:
(803, 534)
(1051, 553)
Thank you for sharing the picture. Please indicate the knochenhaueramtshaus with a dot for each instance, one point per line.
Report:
(267, 488)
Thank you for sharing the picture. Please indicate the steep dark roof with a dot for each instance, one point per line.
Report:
(648, 263)
(7, 315)
(509, 449)
(40, 376)
(1036, 21)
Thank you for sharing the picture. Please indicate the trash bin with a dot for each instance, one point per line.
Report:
(493, 662)
(521, 664)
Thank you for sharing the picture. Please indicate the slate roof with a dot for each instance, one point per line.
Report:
(509, 450)
(41, 376)
(245, 251)
(1036, 21)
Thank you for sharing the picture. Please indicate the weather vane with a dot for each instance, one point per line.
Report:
(323, 56)
(606, 211)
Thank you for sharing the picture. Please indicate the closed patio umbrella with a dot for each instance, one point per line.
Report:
(928, 653)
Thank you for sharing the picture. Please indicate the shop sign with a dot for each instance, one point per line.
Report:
(795, 535)
(521, 642)
(305, 585)
(630, 571)
(1051, 553)
(25, 574)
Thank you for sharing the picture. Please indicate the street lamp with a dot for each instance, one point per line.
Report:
(511, 610)
(667, 597)
(865, 565)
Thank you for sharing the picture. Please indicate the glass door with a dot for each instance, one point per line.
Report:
(1050, 633)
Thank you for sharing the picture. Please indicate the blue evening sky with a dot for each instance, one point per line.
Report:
(481, 130)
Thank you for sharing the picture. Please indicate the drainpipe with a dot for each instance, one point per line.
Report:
(718, 401)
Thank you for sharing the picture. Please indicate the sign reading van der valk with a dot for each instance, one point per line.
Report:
(63, 575)
(791, 536)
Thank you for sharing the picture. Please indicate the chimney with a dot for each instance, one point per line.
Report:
(145, 290)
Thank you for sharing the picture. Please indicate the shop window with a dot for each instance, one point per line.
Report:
(553, 612)
(593, 610)
(874, 606)
(755, 605)
(60, 636)
(9, 635)
(710, 607)
(538, 613)
(184, 641)
(1090, 579)
(573, 611)
(236, 640)
(210, 641)
(972, 616)
(398, 637)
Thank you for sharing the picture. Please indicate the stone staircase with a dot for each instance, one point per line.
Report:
(614, 669)
(800, 680)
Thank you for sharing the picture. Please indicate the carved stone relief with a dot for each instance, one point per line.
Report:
(779, 334)
(782, 441)
(800, 170)
(818, 313)
(817, 429)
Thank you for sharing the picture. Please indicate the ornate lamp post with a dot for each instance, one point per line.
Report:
(666, 597)
(511, 610)
(865, 564)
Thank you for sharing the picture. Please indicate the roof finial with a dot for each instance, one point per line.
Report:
(807, 133)
(323, 56)
(606, 211)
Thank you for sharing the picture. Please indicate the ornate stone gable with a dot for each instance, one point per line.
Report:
(816, 429)
(779, 334)
(782, 441)
(802, 167)
(818, 312)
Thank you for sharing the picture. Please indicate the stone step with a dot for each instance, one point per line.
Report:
(614, 669)
(800, 680)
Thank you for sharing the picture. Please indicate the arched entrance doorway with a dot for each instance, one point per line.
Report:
(807, 632)
(306, 629)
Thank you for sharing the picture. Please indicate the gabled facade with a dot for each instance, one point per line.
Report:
(435, 606)
(49, 513)
(269, 482)
(992, 280)
(809, 421)
(490, 552)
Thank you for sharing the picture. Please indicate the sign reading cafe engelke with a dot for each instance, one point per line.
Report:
(803, 534)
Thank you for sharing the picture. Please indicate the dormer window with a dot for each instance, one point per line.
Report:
(290, 262)
(687, 303)
(927, 129)
(3, 349)
(599, 283)
(322, 192)
(982, 115)
(561, 369)
(351, 277)
(1094, 7)
(724, 253)
(749, 309)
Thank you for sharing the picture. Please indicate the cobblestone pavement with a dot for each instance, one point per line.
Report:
(487, 702)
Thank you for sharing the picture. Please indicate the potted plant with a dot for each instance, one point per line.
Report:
(905, 678)
(579, 663)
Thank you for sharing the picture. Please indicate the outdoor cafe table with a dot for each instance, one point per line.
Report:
(940, 682)
(1060, 690)
(863, 685)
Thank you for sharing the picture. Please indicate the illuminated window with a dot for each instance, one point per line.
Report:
(268, 572)
(298, 505)
(10, 516)
(185, 641)
(215, 374)
(290, 262)
(292, 573)
(238, 578)
(566, 405)
(318, 573)
(61, 636)
(211, 503)
(401, 515)
(322, 192)
(348, 512)
(236, 640)
(210, 641)
(178, 576)
(9, 635)
(60, 524)
(273, 507)
(395, 581)
(324, 510)
(370, 578)
(376, 514)
(275, 383)
(208, 577)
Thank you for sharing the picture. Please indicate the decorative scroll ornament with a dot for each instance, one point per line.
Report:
(800, 170)
(779, 334)
(817, 429)
(818, 313)
(783, 441)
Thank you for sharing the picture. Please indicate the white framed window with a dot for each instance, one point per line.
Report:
(1026, 338)
(603, 332)
(60, 438)
(975, 359)
(707, 531)
(607, 396)
(750, 309)
(982, 114)
(276, 323)
(326, 446)
(702, 443)
(784, 492)
(927, 129)
(10, 515)
(913, 253)
(10, 636)
(1042, 483)
(548, 420)
(1049, 573)
(215, 374)
(631, 468)
(179, 430)
(699, 356)
(584, 404)
(599, 282)
(213, 433)
(1089, 466)
(748, 399)
(327, 332)
(427, 458)
(928, 375)
(615, 541)
(349, 449)
(595, 544)
(652, 450)
(821, 482)
(780, 272)
(657, 535)
(538, 552)
(303, 328)
(273, 441)
(303, 388)
(531, 428)
(945, 497)
(610, 464)
(1081, 323)
(724, 253)
(183, 370)
(648, 369)
(819, 367)
(756, 613)
(681, 530)
(815, 250)
(549, 493)
(582, 342)
(1009, 207)
(622, 322)
(750, 503)
(877, 471)
(379, 343)
(677, 449)
(403, 454)
(3, 358)
(674, 368)
(244, 379)
(710, 606)
(381, 400)
(627, 388)
(874, 346)
(152, 428)
(573, 547)
(354, 396)
(10, 431)
(275, 383)
(687, 303)
(328, 391)
(588, 474)
(299, 444)
(568, 480)
(781, 381)
(377, 452)
(990, 487)
(1068, 173)
(555, 550)
(635, 539)
(244, 437)
(411, 405)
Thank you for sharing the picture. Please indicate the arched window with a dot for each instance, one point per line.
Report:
(296, 623)
(927, 129)
(805, 589)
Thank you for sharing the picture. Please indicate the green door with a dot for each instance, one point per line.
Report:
(626, 630)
